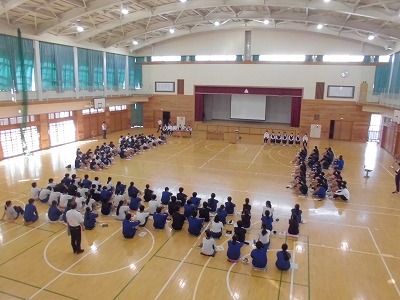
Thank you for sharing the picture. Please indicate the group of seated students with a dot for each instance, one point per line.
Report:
(130, 146)
(322, 184)
(124, 204)
(102, 157)
(168, 129)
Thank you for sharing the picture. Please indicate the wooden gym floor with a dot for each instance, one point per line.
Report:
(345, 250)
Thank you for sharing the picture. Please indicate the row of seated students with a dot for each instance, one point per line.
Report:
(132, 145)
(90, 195)
(322, 184)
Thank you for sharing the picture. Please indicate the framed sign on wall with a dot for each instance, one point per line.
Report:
(339, 91)
(162, 86)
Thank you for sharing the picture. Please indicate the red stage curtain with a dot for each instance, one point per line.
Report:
(198, 107)
(296, 110)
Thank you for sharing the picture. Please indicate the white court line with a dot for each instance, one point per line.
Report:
(75, 263)
(292, 273)
(258, 153)
(185, 148)
(23, 234)
(18, 225)
(214, 156)
(384, 262)
(391, 174)
(269, 154)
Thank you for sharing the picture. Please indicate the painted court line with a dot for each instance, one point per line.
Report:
(214, 156)
(292, 273)
(185, 149)
(23, 234)
(258, 153)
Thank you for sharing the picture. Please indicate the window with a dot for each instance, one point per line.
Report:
(90, 111)
(12, 141)
(4, 121)
(343, 58)
(215, 58)
(165, 58)
(282, 58)
(62, 132)
(117, 108)
(60, 115)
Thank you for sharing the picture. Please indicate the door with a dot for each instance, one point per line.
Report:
(315, 131)
(336, 130)
(343, 130)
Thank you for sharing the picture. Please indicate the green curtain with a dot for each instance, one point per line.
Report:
(57, 67)
(10, 66)
(395, 80)
(381, 82)
(135, 72)
(115, 71)
(137, 115)
(90, 70)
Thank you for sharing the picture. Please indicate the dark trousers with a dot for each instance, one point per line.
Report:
(397, 181)
(76, 237)
(104, 134)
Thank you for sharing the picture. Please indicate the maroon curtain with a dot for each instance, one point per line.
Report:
(198, 107)
(296, 109)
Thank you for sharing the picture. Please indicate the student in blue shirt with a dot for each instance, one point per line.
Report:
(283, 259)
(159, 218)
(54, 213)
(188, 208)
(129, 227)
(135, 202)
(132, 189)
(259, 256)
(31, 215)
(234, 247)
(195, 200)
(267, 220)
(296, 211)
(222, 213)
(105, 195)
(212, 203)
(246, 219)
(86, 182)
(166, 196)
(195, 224)
(339, 163)
(230, 206)
(119, 187)
(89, 220)
(320, 192)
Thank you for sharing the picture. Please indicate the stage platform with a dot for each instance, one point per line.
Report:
(244, 127)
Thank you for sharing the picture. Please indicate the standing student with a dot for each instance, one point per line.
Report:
(305, 140)
(208, 245)
(293, 225)
(54, 213)
(266, 137)
(397, 179)
(234, 247)
(272, 138)
(30, 215)
(104, 129)
(216, 228)
(291, 139)
(129, 227)
(159, 218)
(212, 203)
(12, 212)
(230, 206)
(195, 224)
(297, 140)
(278, 138)
(142, 216)
(284, 138)
(178, 219)
(90, 219)
(259, 256)
(159, 122)
(283, 259)
(75, 226)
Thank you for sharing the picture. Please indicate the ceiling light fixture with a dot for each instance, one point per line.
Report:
(371, 37)
(320, 26)
(183, 1)
(326, 1)
(266, 22)
(79, 28)
(124, 11)
(135, 42)
(217, 23)
(171, 30)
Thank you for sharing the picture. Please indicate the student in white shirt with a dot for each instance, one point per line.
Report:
(54, 196)
(343, 193)
(264, 235)
(44, 194)
(51, 184)
(216, 228)
(117, 198)
(121, 211)
(109, 184)
(91, 203)
(268, 207)
(35, 191)
(142, 216)
(266, 137)
(153, 204)
(208, 245)
(305, 140)
(82, 190)
(96, 182)
(80, 202)
(64, 198)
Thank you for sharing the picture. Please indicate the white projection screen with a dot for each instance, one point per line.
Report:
(248, 107)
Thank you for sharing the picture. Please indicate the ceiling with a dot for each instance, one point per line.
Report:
(149, 21)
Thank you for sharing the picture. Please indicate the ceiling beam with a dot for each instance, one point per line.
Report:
(10, 4)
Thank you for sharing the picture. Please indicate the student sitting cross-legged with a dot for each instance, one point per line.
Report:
(283, 259)
(259, 256)
(89, 220)
(195, 224)
(142, 216)
(216, 228)
(159, 218)
(54, 213)
(234, 247)
(208, 245)
(129, 227)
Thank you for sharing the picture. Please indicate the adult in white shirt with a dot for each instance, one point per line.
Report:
(64, 198)
(35, 191)
(44, 194)
(75, 226)
(104, 128)
(208, 245)
(216, 227)
(159, 125)
(142, 216)
(54, 196)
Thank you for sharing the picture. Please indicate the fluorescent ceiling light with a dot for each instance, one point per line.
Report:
(320, 26)
(183, 1)
(216, 23)
(371, 37)
(80, 28)
(135, 42)
(327, 1)
(124, 11)
(266, 22)
(171, 30)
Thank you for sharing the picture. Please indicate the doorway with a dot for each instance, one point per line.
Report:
(340, 130)
(166, 117)
(374, 129)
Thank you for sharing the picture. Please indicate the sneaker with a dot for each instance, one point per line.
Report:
(80, 251)
(395, 192)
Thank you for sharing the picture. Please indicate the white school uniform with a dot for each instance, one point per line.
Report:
(208, 246)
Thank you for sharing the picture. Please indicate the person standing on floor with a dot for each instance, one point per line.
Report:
(397, 179)
(75, 226)
(159, 125)
(104, 128)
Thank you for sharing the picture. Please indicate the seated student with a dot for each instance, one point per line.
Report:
(246, 219)
(181, 196)
(195, 200)
(204, 212)
(120, 188)
(263, 236)
(129, 227)
(159, 218)
(188, 209)
(283, 259)
(147, 193)
(343, 193)
(268, 206)
(296, 211)
(339, 163)
(212, 203)
(240, 232)
(44, 194)
(135, 202)
(122, 210)
(12, 212)
(246, 205)
(230, 206)
(89, 220)
(153, 204)
(320, 192)
(293, 226)
(86, 182)
(165, 196)
(172, 205)
(177, 219)
(195, 224)
(105, 194)
(64, 215)
(54, 214)
(267, 220)
(30, 215)
(216, 228)
(106, 207)
(303, 188)
(64, 199)
(35, 190)
(208, 245)
(142, 216)
(234, 247)
(222, 214)
(259, 256)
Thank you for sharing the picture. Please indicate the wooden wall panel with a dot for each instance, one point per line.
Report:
(44, 131)
(390, 140)
(334, 110)
(80, 126)
(178, 105)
